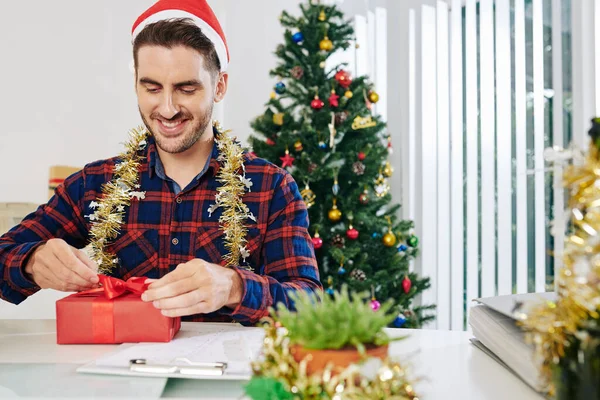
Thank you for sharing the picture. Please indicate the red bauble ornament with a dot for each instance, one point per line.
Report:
(270, 142)
(406, 284)
(317, 103)
(333, 99)
(343, 78)
(362, 156)
(317, 242)
(363, 198)
(352, 233)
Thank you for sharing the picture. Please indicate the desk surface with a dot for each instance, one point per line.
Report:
(33, 365)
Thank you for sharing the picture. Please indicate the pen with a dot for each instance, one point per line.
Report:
(193, 368)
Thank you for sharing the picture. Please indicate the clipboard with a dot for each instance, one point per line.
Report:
(186, 370)
(208, 351)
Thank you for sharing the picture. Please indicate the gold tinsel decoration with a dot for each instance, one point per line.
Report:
(552, 325)
(109, 210)
(229, 197)
(389, 380)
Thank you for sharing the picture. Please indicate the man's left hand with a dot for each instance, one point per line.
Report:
(196, 287)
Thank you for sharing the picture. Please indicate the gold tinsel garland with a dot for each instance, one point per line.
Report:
(551, 326)
(109, 210)
(229, 197)
(388, 381)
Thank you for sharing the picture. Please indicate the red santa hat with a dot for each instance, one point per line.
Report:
(198, 11)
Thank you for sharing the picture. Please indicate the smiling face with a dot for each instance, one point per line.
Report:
(176, 95)
(178, 80)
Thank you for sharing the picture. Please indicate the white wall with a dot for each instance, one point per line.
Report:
(67, 91)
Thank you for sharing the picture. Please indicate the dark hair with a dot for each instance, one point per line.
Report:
(178, 32)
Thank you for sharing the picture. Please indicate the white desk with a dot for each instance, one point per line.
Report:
(33, 365)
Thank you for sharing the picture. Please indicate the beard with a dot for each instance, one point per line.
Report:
(193, 132)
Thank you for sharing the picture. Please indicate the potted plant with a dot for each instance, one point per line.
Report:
(326, 347)
(340, 329)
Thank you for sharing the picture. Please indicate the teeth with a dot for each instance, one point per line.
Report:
(171, 124)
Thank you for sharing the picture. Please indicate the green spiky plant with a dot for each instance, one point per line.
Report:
(335, 321)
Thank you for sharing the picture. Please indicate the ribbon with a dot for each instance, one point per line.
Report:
(115, 287)
(103, 324)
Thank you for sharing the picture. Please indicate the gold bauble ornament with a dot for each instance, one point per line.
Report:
(373, 97)
(298, 146)
(322, 16)
(273, 95)
(278, 119)
(348, 94)
(389, 239)
(334, 214)
(388, 170)
(326, 44)
(309, 198)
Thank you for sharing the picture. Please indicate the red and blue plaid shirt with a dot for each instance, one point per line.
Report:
(169, 227)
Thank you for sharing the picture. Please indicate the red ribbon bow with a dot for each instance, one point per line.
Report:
(114, 287)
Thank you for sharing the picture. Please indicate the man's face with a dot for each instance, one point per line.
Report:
(176, 94)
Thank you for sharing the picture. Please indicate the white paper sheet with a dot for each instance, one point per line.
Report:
(235, 345)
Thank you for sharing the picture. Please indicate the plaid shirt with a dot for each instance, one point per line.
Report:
(167, 228)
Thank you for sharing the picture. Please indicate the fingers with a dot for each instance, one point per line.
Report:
(181, 272)
(70, 261)
(62, 279)
(83, 257)
(169, 290)
(185, 300)
(200, 308)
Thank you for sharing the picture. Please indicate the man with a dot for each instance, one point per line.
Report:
(171, 234)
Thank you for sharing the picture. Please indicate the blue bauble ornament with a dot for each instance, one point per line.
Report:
(341, 271)
(329, 291)
(322, 145)
(402, 248)
(399, 321)
(297, 37)
(280, 88)
(376, 235)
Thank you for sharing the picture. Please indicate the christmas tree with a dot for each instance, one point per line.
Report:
(319, 125)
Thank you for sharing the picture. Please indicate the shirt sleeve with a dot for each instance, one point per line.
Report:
(61, 218)
(288, 258)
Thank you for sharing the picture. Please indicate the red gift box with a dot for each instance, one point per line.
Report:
(112, 314)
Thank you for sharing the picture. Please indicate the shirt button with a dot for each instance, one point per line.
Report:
(175, 241)
(178, 200)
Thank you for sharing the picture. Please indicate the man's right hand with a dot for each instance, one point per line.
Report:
(56, 265)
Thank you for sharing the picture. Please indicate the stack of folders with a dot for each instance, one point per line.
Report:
(497, 333)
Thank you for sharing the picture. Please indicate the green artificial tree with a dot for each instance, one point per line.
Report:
(319, 125)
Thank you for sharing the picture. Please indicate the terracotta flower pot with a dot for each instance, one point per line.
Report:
(342, 358)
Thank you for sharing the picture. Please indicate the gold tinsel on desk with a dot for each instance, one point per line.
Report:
(387, 381)
(553, 326)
